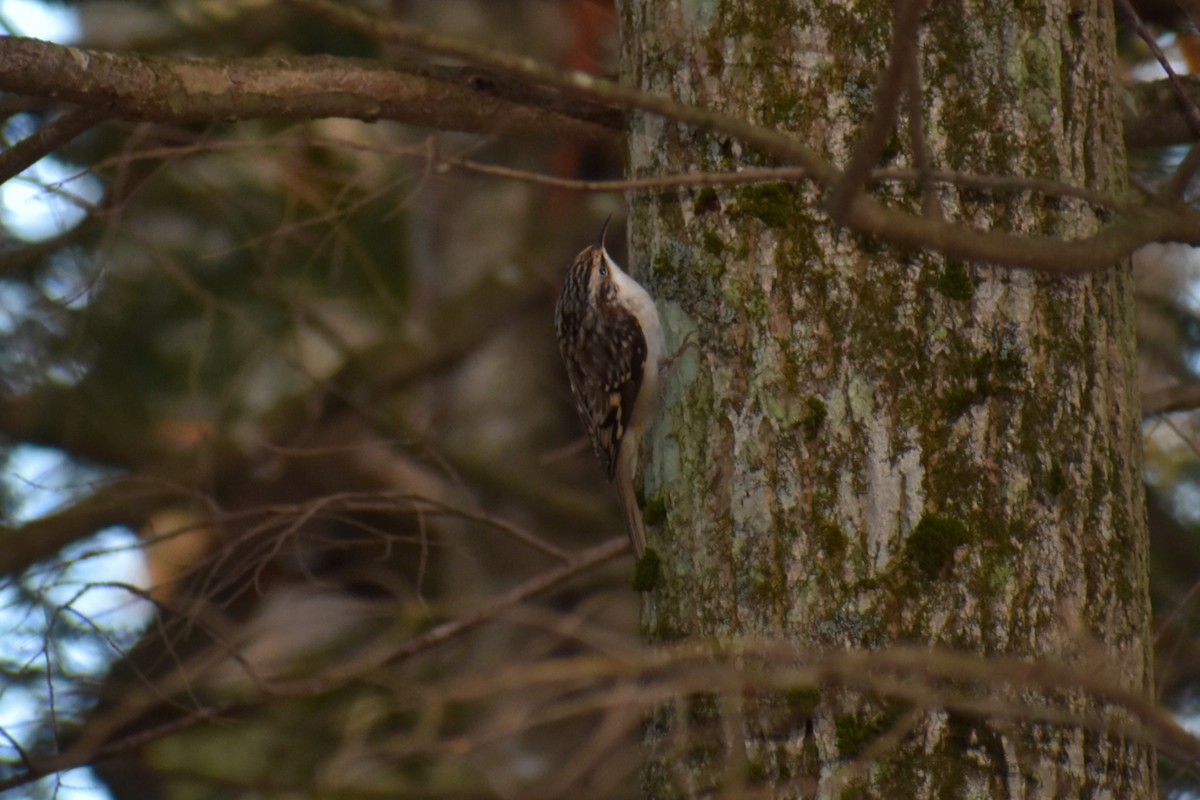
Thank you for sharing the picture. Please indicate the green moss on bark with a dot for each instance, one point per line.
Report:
(648, 571)
(931, 546)
(955, 281)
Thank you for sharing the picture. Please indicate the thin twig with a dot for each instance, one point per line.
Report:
(1178, 397)
(485, 612)
(964, 180)
(47, 139)
(1179, 181)
(1006, 183)
(919, 175)
(907, 19)
(1099, 250)
(1184, 172)
(931, 203)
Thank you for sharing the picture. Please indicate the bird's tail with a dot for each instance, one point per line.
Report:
(629, 507)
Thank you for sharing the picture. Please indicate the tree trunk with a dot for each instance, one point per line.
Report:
(875, 446)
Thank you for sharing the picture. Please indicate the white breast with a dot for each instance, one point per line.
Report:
(639, 302)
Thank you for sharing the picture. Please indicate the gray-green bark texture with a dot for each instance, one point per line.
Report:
(872, 446)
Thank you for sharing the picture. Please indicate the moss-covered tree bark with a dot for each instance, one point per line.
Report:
(876, 446)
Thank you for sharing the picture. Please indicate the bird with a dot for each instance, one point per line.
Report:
(612, 344)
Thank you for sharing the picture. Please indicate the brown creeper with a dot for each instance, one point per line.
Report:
(612, 342)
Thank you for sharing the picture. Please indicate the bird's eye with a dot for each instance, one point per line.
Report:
(603, 271)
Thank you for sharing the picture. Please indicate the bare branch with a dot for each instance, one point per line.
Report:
(928, 678)
(751, 175)
(931, 203)
(1180, 397)
(149, 88)
(138, 87)
(124, 502)
(995, 687)
(46, 140)
(1098, 251)
(891, 85)
(1154, 115)
(580, 564)
(1182, 177)
(1005, 183)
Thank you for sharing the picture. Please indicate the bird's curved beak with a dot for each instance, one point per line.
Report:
(603, 232)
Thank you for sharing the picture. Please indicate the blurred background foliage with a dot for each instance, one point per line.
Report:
(274, 397)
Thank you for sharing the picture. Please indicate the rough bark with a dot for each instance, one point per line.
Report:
(875, 446)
